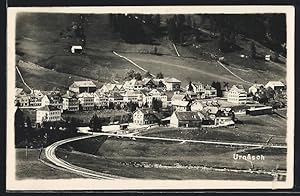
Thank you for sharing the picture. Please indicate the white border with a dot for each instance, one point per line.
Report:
(85, 184)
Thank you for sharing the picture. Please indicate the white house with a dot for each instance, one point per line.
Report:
(197, 87)
(86, 101)
(237, 94)
(76, 49)
(186, 119)
(275, 85)
(132, 96)
(70, 102)
(100, 100)
(181, 105)
(254, 88)
(145, 116)
(133, 84)
(48, 114)
(172, 84)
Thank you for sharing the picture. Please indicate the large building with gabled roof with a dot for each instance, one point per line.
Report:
(83, 86)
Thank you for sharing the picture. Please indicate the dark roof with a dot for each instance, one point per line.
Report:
(188, 116)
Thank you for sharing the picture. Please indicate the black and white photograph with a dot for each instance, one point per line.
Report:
(178, 97)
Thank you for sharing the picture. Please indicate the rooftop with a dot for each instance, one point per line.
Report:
(87, 83)
(189, 116)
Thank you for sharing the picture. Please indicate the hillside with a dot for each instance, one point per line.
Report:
(45, 39)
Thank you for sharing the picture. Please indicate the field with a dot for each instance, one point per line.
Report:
(255, 129)
(32, 168)
(128, 158)
(50, 50)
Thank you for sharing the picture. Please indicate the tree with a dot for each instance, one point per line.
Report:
(19, 126)
(130, 74)
(111, 105)
(219, 89)
(190, 86)
(160, 75)
(147, 75)
(138, 76)
(95, 123)
(156, 104)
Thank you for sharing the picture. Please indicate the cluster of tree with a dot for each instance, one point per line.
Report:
(132, 29)
(160, 75)
(131, 106)
(96, 123)
(264, 95)
(217, 86)
(28, 135)
(176, 28)
(131, 74)
(156, 104)
(266, 28)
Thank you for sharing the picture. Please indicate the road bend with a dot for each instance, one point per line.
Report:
(50, 155)
(64, 165)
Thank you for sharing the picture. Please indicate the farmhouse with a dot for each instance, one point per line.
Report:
(186, 119)
(172, 84)
(100, 100)
(48, 114)
(275, 85)
(83, 86)
(210, 92)
(237, 94)
(145, 116)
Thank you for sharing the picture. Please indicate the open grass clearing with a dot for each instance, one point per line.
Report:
(31, 168)
(116, 166)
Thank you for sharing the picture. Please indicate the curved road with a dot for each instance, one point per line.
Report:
(64, 165)
(50, 155)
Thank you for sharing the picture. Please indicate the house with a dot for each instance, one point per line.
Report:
(196, 87)
(197, 106)
(21, 98)
(181, 105)
(237, 94)
(76, 49)
(275, 85)
(146, 116)
(255, 88)
(53, 100)
(210, 92)
(115, 98)
(159, 95)
(109, 87)
(148, 83)
(83, 86)
(159, 83)
(35, 98)
(172, 84)
(86, 101)
(132, 96)
(100, 100)
(48, 114)
(219, 116)
(133, 84)
(70, 102)
(186, 119)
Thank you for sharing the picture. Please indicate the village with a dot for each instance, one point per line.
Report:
(151, 101)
